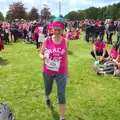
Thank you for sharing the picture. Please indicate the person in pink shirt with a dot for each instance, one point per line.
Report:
(54, 55)
(50, 29)
(112, 55)
(99, 49)
(6, 33)
(114, 52)
(71, 35)
(41, 36)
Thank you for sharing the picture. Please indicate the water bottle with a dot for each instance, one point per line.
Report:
(96, 63)
(46, 54)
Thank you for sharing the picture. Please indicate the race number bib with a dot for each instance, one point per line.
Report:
(52, 65)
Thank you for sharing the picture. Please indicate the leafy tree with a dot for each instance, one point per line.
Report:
(1, 16)
(92, 13)
(33, 14)
(81, 14)
(107, 12)
(16, 11)
(73, 15)
(45, 12)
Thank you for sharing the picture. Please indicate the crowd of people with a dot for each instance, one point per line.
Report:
(107, 63)
(52, 37)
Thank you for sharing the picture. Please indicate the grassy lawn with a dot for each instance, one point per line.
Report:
(89, 97)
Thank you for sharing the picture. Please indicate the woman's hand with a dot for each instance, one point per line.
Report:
(42, 57)
(101, 59)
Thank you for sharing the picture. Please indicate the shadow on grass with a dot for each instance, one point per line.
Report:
(70, 52)
(55, 114)
(3, 62)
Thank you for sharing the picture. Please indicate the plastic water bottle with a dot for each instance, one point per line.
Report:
(96, 63)
(46, 54)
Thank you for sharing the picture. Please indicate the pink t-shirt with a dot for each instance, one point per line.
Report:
(99, 46)
(114, 54)
(70, 35)
(40, 30)
(57, 57)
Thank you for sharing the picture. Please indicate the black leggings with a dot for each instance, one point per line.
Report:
(109, 37)
(37, 43)
(99, 53)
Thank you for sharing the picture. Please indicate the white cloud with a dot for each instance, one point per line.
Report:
(67, 5)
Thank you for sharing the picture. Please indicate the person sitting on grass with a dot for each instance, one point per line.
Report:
(117, 65)
(110, 67)
(77, 36)
(70, 35)
(113, 53)
(99, 49)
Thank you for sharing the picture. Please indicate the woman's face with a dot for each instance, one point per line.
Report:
(57, 31)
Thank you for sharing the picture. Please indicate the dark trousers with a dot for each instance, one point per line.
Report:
(109, 38)
(15, 35)
(6, 37)
(87, 36)
(101, 35)
(97, 34)
(99, 53)
(118, 40)
(37, 43)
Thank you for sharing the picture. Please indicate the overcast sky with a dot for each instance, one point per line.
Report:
(67, 5)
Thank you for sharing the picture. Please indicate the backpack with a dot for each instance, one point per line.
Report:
(5, 112)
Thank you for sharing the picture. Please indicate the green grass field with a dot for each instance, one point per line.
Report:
(89, 97)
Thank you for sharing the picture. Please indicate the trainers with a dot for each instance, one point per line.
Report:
(48, 103)
(100, 73)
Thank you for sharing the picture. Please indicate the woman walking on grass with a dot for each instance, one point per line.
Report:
(54, 55)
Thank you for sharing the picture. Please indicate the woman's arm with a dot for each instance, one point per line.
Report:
(67, 45)
(94, 49)
(104, 51)
(42, 57)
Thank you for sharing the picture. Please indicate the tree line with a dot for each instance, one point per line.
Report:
(102, 13)
(18, 11)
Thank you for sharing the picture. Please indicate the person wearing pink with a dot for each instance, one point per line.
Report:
(77, 34)
(1, 45)
(99, 49)
(70, 35)
(54, 55)
(49, 29)
(36, 36)
(41, 36)
(114, 52)
(6, 33)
